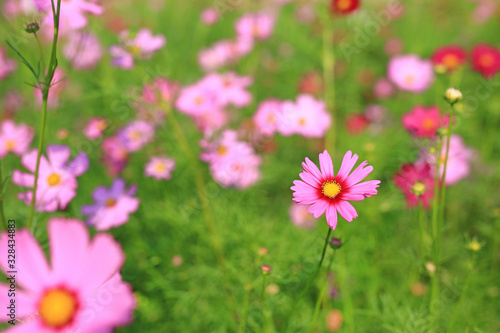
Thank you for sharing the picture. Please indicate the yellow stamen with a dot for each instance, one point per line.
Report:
(331, 189)
(222, 150)
(409, 79)
(486, 60)
(110, 202)
(429, 123)
(160, 167)
(343, 4)
(54, 179)
(10, 145)
(451, 61)
(302, 121)
(57, 308)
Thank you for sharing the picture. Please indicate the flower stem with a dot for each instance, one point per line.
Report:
(41, 52)
(456, 312)
(421, 230)
(320, 296)
(45, 87)
(2, 215)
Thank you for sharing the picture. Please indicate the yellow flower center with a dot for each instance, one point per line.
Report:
(135, 50)
(343, 4)
(10, 145)
(271, 118)
(486, 60)
(101, 124)
(222, 150)
(160, 167)
(451, 61)
(474, 246)
(57, 308)
(135, 135)
(419, 188)
(331, 189)
(198, 100)
(409, 79)
(302, 121)
(110, 202)
(428, 123)
(54, 179)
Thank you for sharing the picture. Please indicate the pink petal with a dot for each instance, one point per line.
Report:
(367, 189)
(325, 162)
(25, 304)
(58, 155)
(310, 167)
(23, 179)
(331, 216)
(346, 210)
(310, 179)
(358, 175)
(348, 163)
(29, 161)
(318, 208)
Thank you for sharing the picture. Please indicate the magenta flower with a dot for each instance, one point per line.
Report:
(6, 65)
(410, 73)
(112, 206)
(14, 139)
(423, 122)
(160, 168)
(81, 290)
(416, 178)
(137, 134)
(329, 193)
(56, 179)
(83, 49)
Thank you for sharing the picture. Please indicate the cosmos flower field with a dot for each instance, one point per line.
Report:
(249, 166)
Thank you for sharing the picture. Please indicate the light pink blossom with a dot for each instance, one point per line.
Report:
(160, 168)
(410, 73)
(14, 138)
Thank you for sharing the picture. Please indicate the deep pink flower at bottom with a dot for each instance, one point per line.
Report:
(80, 291)
(328, 193)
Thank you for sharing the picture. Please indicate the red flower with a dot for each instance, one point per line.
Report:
(486, 60)
(356, 123)
(413, 177)
(344, 7)
(451, 57)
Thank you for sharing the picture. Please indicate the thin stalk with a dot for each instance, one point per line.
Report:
(45, 87)
(456, 312)
(346, 295)
(41, 51)
(320, 296)
(2, 215)
(421, 230)
(244, 311)
(262, 294)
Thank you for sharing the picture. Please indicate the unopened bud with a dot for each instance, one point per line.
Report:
(32, 28)
(474, 246)
(431, 267)
(453, 95)
(335, 243)
(262, 251)
(265, 269)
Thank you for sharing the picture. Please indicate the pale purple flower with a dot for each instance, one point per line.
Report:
(112, 206)
(137, 134)
(57, 182)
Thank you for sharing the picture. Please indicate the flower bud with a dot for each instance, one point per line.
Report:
(474, 246)
(265, 269)
(32, 28)
(335, 243)
(453, 95)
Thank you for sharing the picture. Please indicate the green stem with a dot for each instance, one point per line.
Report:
(320, 296)
(346, 295)
(2, 215)
(456, 312)
(421, 230)
(262, 293)
(45, 87)
(244, 311)
(41, 51)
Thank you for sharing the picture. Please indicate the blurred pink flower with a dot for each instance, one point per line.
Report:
(383, 88)
(393, 46)
(375, 113)
(327, 193)
(160, 168)
(157, 97)
(223, 53)
(59, 83)
(116, 154)
(14, 138)
(6, 65)
(137, 134)
(12, 101)
(209, 16)
(411, 174)
(112, 206)
(57, 182)
(83, 50)
(72, 16)
(459, 158)
(301, 218)
(95, 128)
(142, 45)
(307, 117)
(267, 116)
(228, 88)
(255, 26)
(423, 122)
(13, 8)
(58, 297)
(410, 73)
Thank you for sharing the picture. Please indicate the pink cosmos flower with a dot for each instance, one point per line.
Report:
(459, 158)
(81, 290)
(137, 134)
(210, 16)
(423, 122)
(95, 128)
(328, 193)
(14, 8)
(393, 46)
(410, 175)
(223, 53)
(112, 206)
(160, 168)
(267, 116)
(410, 73)
(12, 101)
(232, 162)
(155, 99)
(14, 139)
(116, 154)
(307, 117)
(228, 88)
(72, 16)
(83, 50)
(142, 46)
(383, 88)
(255, 26)
(301, 218)
(6, 65)
(56, 179)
